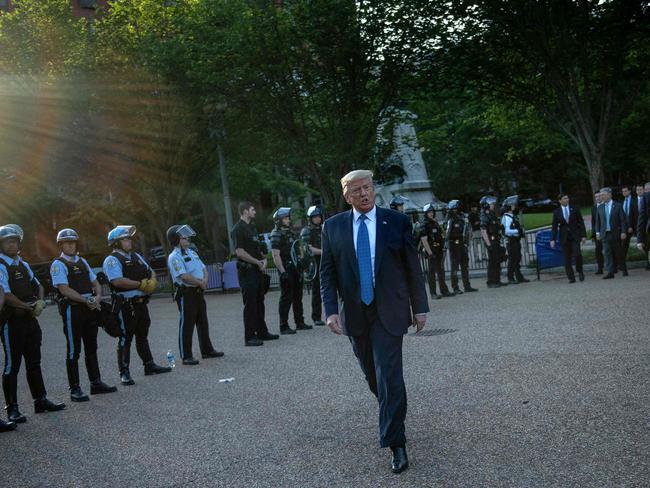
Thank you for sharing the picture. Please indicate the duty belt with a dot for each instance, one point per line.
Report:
(144, 299)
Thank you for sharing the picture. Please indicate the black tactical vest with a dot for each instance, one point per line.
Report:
(132, 267)
(20, 285)
(456, 229)
(78, 276)
(282, 239)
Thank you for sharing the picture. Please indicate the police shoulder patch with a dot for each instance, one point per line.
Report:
(55, 269)
(111, 263)
(176, 263)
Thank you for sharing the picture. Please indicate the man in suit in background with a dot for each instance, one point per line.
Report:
(643, 220)
(369, 262)
(600, 259)
(611, 229)
(571, 226)
(631, 210)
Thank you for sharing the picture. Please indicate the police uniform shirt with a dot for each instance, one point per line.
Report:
(182, 262)
(59, 272)
(113, 270)
(4, 276)
(244, 237)
(506, 221)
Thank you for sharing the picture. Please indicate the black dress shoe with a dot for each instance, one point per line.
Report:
(581, 276)
(152, 368)
(502, 283)
(469, 289)
(319, 323)
(436, 297)
(14, 415)
(599, 272)
(448, 294)
(303, 326)
(493, 285)
(457, 291)
(572, 280)
(212, 354)
(190, 361)
(268, 337)
(125, 379)
(98, 387)
(521, 279)
(77, 395)
(399, 461)
(7, 426)
(608, 276)
(513, 282)
(625, 273)
(286, 330)
(254, 342)
(44, 405)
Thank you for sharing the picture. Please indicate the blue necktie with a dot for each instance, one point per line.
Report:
(627, 206)
(607, 228)
(365, 262)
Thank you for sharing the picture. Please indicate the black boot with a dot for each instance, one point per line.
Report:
(42, 405)
(77, 395)
(10, 388)
(7, 426)
(152, 368)
(286, 330)
(98, 387)
(123, 358)
(469, 289)
(303, 326)
(14, 415)
(457, 291)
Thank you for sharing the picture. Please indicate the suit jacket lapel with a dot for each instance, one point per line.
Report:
(349, 243)
(380, 238)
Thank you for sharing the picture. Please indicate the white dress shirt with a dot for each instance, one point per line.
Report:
(566, 213)
(371, 225)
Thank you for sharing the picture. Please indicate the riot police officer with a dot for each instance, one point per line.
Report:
(190, 277)
(458, 238)
(311, 235)
(79, 303)
(133, 281)
(514, 232)
(431, 236)
(21, 332)
(397, 203)
(282, 239)
(491, 233)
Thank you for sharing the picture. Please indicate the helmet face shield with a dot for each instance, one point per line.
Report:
(67, 235)
(121, 232)
(185, 232)
(11, 231)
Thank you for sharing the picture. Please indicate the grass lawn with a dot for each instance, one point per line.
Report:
(536, 220)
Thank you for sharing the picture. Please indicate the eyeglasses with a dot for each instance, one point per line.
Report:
(364, 188)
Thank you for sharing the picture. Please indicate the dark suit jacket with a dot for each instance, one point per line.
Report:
(643, 220)
(575, 229)
(633, 215)
(399, 283)
(618, 222)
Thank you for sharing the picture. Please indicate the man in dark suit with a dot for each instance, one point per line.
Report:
(600, 259)
(643, 220)
(371, 280)
(611, 229)
(568, 222)
(631, 210)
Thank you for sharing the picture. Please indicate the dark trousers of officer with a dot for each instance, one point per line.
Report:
(80, 325)
(21, 337)
(291, 295)
(316, 301)
(251, 282)
(191, 304)
(380, 357)
(459, 259)
(600, 257)
(513, 246)
(436, 272)
(134, 321)
(494, 263)
(571, 248)
(612, 249)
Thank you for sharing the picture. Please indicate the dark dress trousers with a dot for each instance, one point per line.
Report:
(631, 210)
(600, 258)
(643, 224)
(376, 330)
(612, 248)
(569, 234)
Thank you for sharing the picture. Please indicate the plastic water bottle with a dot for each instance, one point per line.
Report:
(171, 359)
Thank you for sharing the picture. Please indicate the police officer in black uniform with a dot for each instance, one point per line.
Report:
(458, 238)
(251, 267)
(133, 281)
(397, 203)
(21, 332)
(79, 303)
(282, 239)
(514, 232)
(311, 235)
(430, 234)
(491, 233)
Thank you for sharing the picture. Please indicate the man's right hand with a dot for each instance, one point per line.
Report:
(262, 264)
(334, 323)
(552, 243)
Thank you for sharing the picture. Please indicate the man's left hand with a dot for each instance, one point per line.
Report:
(420, 321)
(623, 236)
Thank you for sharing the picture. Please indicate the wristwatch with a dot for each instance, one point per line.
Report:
(91, 300)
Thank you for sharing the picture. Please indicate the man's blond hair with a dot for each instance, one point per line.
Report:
(357, 174)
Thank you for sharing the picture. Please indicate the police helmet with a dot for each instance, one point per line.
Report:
(314, 211)
(66, 235)
(281, 213)
(11, 230)
(429, 207)
(397, 201)
(454, 205)
(509, 202)
(176, 232)
(487, 200)
(120, 232)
